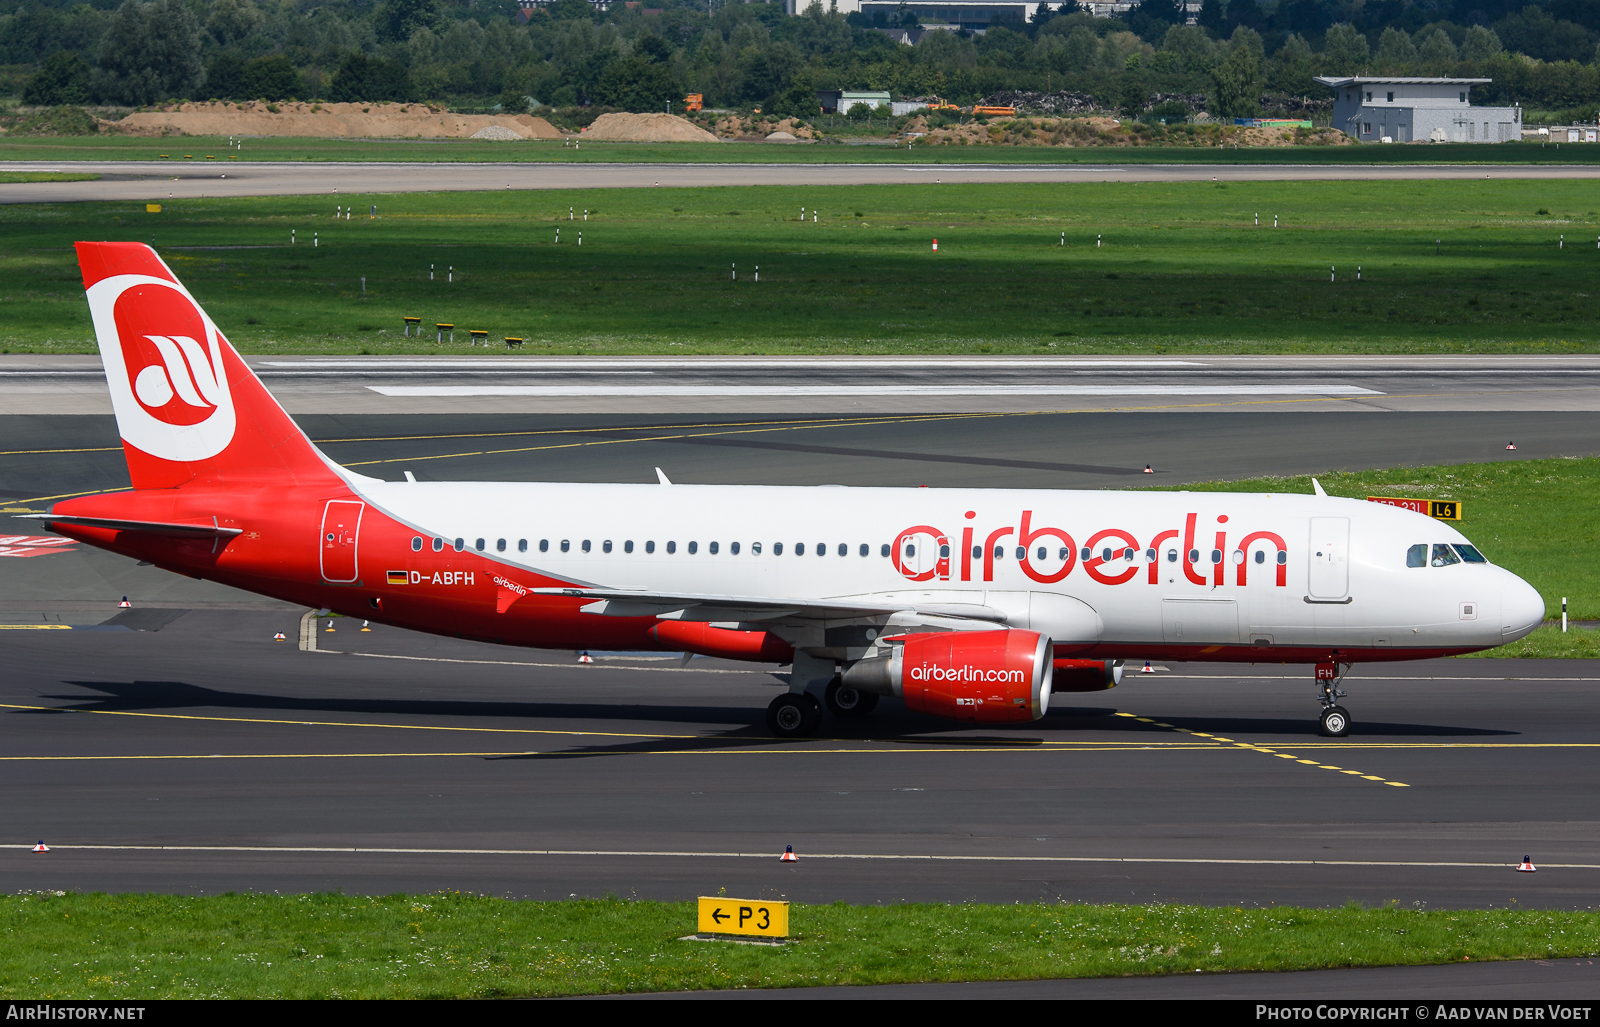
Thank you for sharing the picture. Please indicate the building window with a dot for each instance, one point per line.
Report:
(1369, 97)
(1463, 97)
(1391, 98)
(1366, 128)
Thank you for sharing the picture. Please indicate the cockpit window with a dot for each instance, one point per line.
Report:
(1469, 553)
(1417, 556)
(1444, 556)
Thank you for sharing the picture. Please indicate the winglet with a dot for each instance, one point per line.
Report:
(1317, 485)
(662, 476)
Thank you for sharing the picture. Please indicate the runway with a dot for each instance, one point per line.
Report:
(204, 756)
(158, 180)
(32, 384)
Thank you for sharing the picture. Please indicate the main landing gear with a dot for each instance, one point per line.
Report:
(1335, 719)
(798, 714)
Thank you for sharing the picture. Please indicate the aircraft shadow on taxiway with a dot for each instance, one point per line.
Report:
(886, 725)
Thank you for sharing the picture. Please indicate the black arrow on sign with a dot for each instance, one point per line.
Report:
(717, 916)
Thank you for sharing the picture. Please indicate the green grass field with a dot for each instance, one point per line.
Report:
(1182, 268)
(1536, 518)
(128, 947)
(290, 148)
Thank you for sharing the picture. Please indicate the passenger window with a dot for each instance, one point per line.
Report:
(1216, 556)
(478, 545)
(755, 549)
(650, 547)
(460, 544)
(627, 547)
(865, 549)
(1470, 553)
(977, 552)
(544, 545)
(884, 552)
(566, 545)
(1261, 556)
(1086, 555)
(694, 547)
(605, 546)
(733, 548)
(1417, 556)
(1444, 556)
(416, 544)
(944, 552)
(438, 545)
(844, 549)
(1065, 552)
(1105, 555)
(1022, 553)
(911, 550)
(522, 545)
(585, 545)
(777, 549)
(672, 547)
(1042, 554)
(1150, 556)
(500, 545)
(822, 549)
(1283, 557)
(1127, 554)
(712, 548)
(1194, 556)
(799, 549)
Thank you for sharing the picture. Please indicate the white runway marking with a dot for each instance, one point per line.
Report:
(885, 389)
(914, 363)
(922, 857)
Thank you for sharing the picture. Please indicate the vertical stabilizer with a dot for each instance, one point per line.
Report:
(188, 408)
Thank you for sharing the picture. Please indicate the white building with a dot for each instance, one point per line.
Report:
(1401, 110)
(972, 15)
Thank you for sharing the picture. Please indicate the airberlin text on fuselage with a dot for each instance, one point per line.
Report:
(1205, 561)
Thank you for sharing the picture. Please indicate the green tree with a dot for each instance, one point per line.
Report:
(271, 77)
(1438, 52)
(1289, 71)
(151, 52)
(638, 84)
(397, 19)
(1236, 84)
(1344, 50)
(225, 76)
(1396, 52)
(1480, 44)
(63, 79)
(369, 78)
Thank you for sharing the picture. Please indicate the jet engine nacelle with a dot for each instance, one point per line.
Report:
(983, 676)
(1087, 675)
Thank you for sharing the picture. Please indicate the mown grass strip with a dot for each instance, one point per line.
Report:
(453, 945)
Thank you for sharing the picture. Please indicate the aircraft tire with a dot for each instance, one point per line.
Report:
(793, 716)
(848, 703)
(1334, 722)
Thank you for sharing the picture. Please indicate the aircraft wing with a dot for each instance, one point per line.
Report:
(616, 602)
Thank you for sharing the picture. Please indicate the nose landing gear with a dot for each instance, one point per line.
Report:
(1334, 721)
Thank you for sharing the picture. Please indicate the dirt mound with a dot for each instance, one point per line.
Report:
(646, 128)
(324, 120)
(782, 137)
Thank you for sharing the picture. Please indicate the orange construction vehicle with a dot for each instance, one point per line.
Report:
(937, 104)
(694, 102)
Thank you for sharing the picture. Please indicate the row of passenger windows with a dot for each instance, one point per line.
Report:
(843, 549)
(1443, 555)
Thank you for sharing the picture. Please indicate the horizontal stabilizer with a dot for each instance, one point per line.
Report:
(168, 529)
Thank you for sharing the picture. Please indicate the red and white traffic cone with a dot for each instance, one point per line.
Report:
(1147, 469)
(585, 658)
(41, 847)
(124, 605)
(1147, 668)
(1511, 445)
(1526, 867)
(787, 857)
(278, 637)
(364, 626)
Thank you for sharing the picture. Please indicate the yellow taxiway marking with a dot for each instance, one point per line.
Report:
(35, 627)
(1222, 743)
(341, 723)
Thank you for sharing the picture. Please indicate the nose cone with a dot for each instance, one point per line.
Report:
(1521, 609)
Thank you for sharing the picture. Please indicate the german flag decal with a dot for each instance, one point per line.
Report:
(397, 577)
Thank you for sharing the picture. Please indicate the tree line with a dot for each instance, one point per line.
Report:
(570, 53)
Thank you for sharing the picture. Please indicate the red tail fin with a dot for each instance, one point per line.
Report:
(187, 407)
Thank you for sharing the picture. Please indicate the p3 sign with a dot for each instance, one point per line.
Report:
(744, 916)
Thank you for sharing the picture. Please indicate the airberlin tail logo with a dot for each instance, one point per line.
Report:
(163, 361)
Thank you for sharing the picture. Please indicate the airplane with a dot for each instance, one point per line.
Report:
(974, 605)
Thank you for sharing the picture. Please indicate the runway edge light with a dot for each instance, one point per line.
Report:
(1526, 867)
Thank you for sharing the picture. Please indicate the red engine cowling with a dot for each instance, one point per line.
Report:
(983, 676)
(1087, 675)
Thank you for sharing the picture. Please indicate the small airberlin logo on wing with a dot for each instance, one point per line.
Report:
(163, 361)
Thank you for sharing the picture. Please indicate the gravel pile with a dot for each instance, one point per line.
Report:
(1058, 104)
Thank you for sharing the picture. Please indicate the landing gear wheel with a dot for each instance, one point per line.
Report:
(847, 703)
(1334, 722)
(794, 716)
